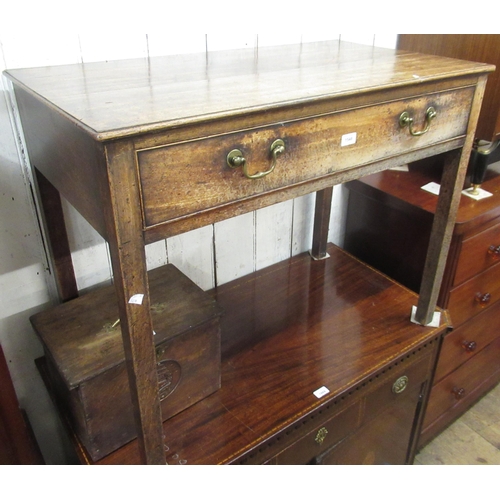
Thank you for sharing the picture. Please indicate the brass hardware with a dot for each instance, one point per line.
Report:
(321, 435)
(110, 327)
(236, 159)
(476, 189)
(400, 385)
(405, 120)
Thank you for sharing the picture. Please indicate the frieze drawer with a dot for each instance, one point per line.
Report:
(198, 175)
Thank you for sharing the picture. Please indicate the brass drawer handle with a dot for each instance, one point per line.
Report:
(321, 435)
(400, 385)
(236, 159)
(405, 120)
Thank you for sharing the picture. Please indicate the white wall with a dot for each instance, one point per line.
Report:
(237, 246)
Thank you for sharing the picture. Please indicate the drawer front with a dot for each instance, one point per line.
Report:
(455, 389)
(395, 392)
(194, 176)
(324, 436)
(468, 340)
(408, 377)
(478, 253)
(474, 296)
(389, 419)
(386, 440)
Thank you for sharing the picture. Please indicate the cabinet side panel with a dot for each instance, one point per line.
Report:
(65, 154)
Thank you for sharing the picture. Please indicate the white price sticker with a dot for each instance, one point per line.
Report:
(322, 391)
(136, 299)
(432, 187)
(348, 139)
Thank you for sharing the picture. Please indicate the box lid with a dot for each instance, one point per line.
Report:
(84, 339)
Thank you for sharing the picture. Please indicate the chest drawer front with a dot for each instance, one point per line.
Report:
(388, 421)
(194, 176)
(468, 340)
(396, 391)
(324, 436)
(459, 386)
(478, 253)
(407, 378)
(474, 296)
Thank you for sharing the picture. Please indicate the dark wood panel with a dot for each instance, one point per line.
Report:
(55, 227)
(67, 157)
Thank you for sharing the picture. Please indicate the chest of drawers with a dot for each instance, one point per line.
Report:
(469, 361)
(146, 149)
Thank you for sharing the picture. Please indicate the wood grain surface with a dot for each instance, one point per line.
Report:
(114, 98)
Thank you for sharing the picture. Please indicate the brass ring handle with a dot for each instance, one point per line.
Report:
(400, 385)
(236, 159)
(321, 435)
(405, 120)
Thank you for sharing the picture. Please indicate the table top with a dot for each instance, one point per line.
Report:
(118, 98)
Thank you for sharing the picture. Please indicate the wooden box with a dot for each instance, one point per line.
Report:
(86, 361)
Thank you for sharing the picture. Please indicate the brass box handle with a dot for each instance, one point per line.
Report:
(321, 435)
(236, 159)
(405, 120)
